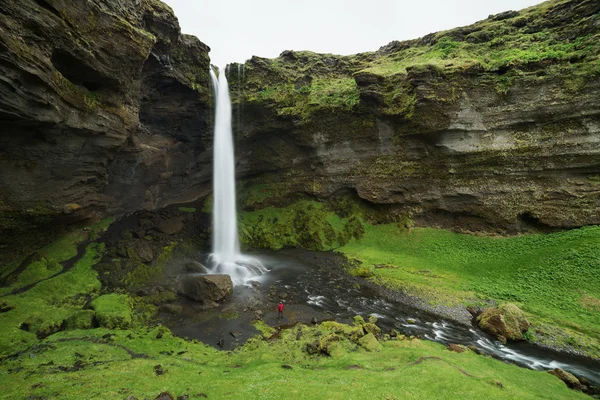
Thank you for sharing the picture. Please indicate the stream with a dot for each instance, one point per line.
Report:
(312, 290)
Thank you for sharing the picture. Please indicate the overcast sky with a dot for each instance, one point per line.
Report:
(238, 29)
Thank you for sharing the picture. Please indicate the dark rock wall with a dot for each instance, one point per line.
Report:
(104, 109)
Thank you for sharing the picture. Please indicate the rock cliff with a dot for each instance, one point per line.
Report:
(105, 109)
(489, 127)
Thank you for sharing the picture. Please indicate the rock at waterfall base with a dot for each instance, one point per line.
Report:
(207, 288)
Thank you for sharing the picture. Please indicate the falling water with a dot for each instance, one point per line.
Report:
(226, 256)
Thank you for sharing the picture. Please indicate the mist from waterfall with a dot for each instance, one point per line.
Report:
(226, 255)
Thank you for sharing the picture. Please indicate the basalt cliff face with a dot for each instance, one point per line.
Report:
(104, 108)
(491, 127)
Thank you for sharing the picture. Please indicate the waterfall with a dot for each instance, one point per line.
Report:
(226, 255)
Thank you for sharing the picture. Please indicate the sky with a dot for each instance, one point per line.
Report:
(238, 29)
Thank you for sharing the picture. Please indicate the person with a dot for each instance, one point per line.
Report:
(280, 310)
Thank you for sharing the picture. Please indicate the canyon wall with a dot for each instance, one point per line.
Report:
(490, 127)
(105, 108)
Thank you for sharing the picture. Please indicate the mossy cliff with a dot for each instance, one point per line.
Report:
(104, 107)
(491, 127)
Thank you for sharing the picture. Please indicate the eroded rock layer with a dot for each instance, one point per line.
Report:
(104, 107)
(493, 127)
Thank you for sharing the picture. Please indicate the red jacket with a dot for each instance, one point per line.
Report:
(280, 307)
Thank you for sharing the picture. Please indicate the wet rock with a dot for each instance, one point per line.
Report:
(314, 321)
(171, 226)
(411, 321)
(195, 267)
(475, 311)
(393, 333)
(235, 334)
(369, 342)
(457, 348)
(506, 322)
(567, 378)
(207, 288)
(258, 314)
(164, 396)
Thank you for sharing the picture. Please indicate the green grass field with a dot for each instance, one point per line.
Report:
(555, 278)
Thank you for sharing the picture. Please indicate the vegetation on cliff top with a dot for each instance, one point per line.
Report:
(556, 39)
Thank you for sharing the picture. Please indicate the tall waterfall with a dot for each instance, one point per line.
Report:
(226, 255)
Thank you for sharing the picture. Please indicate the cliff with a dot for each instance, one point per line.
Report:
(490, 127)
(104, 107)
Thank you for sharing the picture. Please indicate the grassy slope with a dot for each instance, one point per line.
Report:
(255, 371)
(555, 278)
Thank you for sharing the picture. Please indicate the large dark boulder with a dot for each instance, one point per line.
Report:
(207, 288)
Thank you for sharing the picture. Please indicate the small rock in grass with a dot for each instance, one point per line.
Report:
(286, 366)
(158, 369)
(457, 348)
(498, 383)
(164, 396)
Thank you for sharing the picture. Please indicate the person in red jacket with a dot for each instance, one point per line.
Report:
(280, 310)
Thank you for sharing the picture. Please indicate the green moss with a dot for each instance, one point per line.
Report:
(113, 311)
(82, 319)
(303, 224)
(42, 309)
(123, 365)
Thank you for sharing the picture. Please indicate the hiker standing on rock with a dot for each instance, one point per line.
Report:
(280, 310)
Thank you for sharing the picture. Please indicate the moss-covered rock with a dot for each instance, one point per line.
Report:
(83, 319)
(113, 311)
(506, 322)
(370, 343)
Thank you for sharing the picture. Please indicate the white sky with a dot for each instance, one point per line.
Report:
(238, 29)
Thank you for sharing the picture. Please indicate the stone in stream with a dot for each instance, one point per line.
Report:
(207, 288)
(567, 378)
(506, 322)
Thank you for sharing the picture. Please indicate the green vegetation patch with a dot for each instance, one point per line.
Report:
(113, 310)
(101, 363)
(41, 310)
(306, 224)
(546, 275)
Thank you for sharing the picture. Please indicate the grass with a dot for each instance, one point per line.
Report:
(555, 278)
(101, 364)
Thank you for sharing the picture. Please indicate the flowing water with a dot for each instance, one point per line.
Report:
(322, 290)
(226, 257)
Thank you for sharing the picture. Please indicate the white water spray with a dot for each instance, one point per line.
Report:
(226, 255)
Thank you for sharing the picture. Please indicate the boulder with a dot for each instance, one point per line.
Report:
(369, 342)
(457, 348)
(207, 288)
(567, 377)
(195, 267)
(143, 250)
(506, 322)
(171, 226)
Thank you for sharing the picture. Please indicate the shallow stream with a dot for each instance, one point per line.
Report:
(312, 290)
